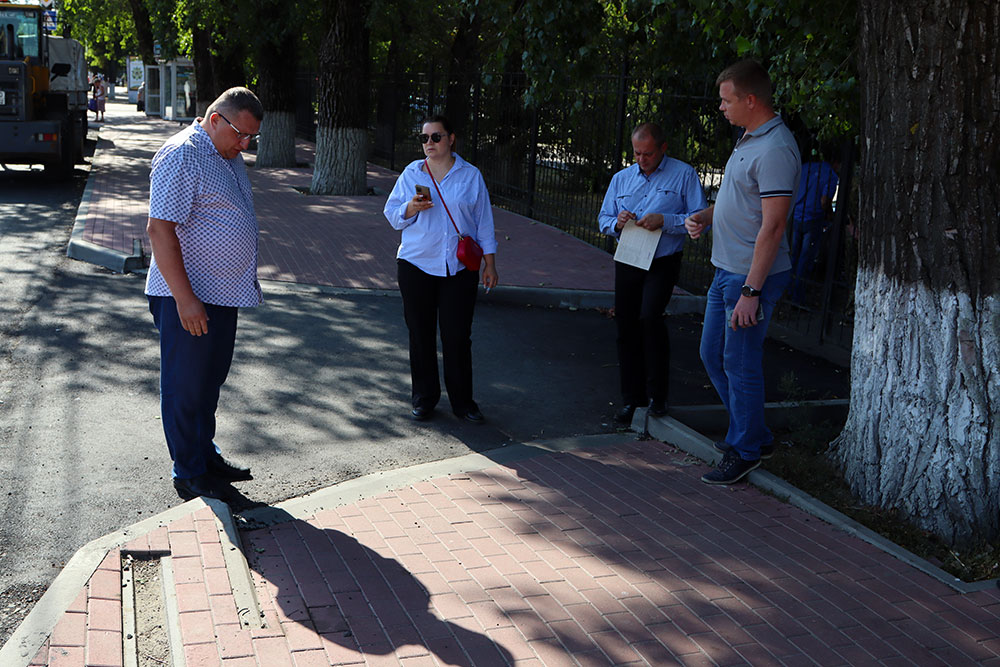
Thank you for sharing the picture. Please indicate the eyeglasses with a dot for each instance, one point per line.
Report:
(240, 135)
(436, 137)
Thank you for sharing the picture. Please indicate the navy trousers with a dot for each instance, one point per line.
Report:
(192, 371)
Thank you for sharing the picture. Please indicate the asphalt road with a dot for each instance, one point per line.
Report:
(36, 216)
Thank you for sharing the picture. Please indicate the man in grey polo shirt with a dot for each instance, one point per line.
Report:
(752, 267)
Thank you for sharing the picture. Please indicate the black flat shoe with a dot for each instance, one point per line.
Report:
(421, 414)
(202, 485)
(227, 470)
(624, 416)
(658, 408)
(474, 416)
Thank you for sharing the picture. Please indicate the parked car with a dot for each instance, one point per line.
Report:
(140, 98)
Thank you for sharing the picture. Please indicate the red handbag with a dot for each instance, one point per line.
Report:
(469, 252)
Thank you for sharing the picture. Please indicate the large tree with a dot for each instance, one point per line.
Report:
(342, 123)
(923, 433)
(276, 59)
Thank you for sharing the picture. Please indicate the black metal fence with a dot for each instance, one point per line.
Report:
(552, 162)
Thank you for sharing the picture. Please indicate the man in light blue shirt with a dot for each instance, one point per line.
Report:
(203, 231)
(658, 193)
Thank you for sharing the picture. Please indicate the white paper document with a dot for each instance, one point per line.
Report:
(637, 245)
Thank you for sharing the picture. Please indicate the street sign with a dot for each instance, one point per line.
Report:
(50, 19)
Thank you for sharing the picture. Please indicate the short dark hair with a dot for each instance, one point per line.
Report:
(651, 130)
(236, 100)
(748, 77)
(445, 123)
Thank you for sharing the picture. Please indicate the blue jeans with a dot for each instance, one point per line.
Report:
(734, 360)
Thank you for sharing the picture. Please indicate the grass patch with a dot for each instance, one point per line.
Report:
(800, 459)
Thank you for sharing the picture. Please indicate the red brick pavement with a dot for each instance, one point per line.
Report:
(320, 240)
(611, 556)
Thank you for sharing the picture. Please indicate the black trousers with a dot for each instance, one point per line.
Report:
(449, 301)
(641, 297)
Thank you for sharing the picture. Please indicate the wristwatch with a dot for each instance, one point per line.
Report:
(746, 290)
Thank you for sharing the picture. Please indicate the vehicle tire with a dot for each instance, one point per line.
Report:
(62, 168)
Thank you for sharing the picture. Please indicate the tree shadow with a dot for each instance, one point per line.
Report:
(356, 600)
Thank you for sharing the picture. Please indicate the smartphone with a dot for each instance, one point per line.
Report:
(424, 192)
(729, 315)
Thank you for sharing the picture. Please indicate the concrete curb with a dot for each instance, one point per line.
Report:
(359, 488)
(37, 626)
(173, 614)
(672, 432)
(779, 415)
(680, 304)
(85, 251)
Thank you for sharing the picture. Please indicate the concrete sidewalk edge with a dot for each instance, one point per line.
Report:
(672, 432)
(359, 488)
(37, 626)
(84, 250)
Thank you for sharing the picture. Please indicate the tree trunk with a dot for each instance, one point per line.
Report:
(143, 30)
(276, 146)
(923, 434)
(463, 67)
(342, 124)
(276, 89)
(206, 89)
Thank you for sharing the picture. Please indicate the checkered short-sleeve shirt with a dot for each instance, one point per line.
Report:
(210, 200)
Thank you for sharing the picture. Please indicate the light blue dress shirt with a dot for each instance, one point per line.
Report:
(673, 189)
(428, 239)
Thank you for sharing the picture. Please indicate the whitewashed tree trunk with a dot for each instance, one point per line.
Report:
(924, 430)
(342, 121)
(340, 161)
(276, 147)
(923, 433)
(276, 55)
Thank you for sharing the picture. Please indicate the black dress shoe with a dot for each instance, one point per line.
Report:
(227, 470)
(658, 408)
(624, 416)
(421, 414)
(474, 416)
(202, 485)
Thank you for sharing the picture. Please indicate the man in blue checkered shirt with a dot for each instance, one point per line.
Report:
(203, 232)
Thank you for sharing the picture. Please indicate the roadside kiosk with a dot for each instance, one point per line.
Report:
(170, 90)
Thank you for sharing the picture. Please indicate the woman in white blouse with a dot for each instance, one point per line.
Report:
(434, 285)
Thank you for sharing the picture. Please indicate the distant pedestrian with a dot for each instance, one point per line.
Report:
(430, 199)
(750, 255)
(657, 192)
(203, 231)
(100, 93)
(811, 218)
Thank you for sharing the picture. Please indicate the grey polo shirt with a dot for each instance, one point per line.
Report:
(764, 163)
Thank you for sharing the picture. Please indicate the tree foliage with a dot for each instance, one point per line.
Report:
(104, 27)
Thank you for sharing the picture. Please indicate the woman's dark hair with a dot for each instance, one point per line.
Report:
(445, 123)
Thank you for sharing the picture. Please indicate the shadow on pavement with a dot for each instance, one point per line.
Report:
(356, 599)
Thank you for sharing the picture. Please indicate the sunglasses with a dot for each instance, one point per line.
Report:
(436, 137)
